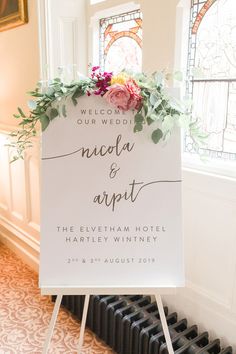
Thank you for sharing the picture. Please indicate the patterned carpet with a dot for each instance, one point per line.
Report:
(25, 315)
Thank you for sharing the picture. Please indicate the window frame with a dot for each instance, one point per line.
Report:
(219, 166)
(102, 55)
(94, 25)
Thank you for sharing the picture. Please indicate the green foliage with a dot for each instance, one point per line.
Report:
(138, 127)
(53, 114)
(21, 113)
(44, 119)
(157, 135)
(164, 111)
(64, 111)
(159, 110)
(43, 110)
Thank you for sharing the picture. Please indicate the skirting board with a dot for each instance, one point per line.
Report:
(17, 244)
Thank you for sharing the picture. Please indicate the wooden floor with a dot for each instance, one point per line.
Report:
(25, 314)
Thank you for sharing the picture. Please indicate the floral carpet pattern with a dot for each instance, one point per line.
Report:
(25, 315)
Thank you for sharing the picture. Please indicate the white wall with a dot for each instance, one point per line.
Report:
(209, 206)
(19, 201)
(19, 183)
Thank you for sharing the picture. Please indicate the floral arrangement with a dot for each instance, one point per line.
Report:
(147, 96)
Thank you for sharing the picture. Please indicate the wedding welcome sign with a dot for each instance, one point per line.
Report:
(111, 202)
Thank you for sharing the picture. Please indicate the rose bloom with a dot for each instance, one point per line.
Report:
(135, 92)
(124, 97)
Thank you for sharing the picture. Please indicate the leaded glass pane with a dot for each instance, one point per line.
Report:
(216, 41)
(121, 42)
(212, 74)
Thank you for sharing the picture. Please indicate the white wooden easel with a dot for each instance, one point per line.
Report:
(104, 291)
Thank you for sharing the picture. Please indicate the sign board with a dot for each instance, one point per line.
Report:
(111, 202)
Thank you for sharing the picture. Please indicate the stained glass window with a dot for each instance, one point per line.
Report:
(212, 74)
(121, 42)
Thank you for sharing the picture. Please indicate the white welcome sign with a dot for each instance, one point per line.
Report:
(111, 202)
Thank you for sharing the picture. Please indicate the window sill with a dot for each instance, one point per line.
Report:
(220, 168)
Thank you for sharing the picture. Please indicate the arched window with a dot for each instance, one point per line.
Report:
(212, 74)
(121, 42)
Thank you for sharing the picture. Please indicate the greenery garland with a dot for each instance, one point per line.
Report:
(148, 96)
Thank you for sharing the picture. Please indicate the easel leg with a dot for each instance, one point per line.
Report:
(164, 324)
(52, 324)
(82, 328)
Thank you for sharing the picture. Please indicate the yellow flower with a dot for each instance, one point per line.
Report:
(119, 79)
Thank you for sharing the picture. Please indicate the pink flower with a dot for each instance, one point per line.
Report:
(135, 93)
(118, 96)
(101, 79)
(95, 68)
(124, 97)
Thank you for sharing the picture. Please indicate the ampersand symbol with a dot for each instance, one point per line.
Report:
(113, 170)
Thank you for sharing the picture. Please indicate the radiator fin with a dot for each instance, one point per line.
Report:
(131, 325)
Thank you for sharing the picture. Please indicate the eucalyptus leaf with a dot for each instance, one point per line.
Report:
(167, 136)
(153, 98)
(159, 77)
(154, 116)
(150, 110)
(44, 119)
(50, 91)
(178, 76)
(167, 124)
(74, 100)
(21, 112)
(36, 94)
(138, 118)
(146, 85)
(78, 93)
(138, 127)
(149, 120)
(145, 108)
(53, 113)
(157, 104)
(64, 90)
(64, 110)
(157, 135)
(184, 121)
(175, 104)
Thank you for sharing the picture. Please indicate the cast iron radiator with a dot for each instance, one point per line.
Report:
(131, 325)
